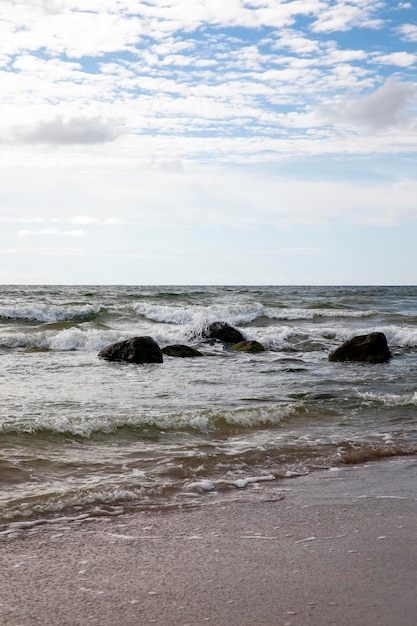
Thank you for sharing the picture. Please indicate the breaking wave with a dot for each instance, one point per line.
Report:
(279, 337)
(49, 314)
(389, 399)
(200, 420)
(236, 313)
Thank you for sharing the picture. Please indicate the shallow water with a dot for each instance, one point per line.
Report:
(79, 435)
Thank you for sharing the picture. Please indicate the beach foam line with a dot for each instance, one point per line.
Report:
(335, 551)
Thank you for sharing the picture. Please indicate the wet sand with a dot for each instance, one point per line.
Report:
(335, 547)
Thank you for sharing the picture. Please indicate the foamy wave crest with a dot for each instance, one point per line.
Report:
(203, 420)
(278, 337)
(309, 314)
(57, 501)
(48, 314)
(390, 399)
(397, 336)
(400, 336)
(200, 315)
(273, 339)
(64, 340)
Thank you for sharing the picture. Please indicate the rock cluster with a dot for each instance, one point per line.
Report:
(146, 350)
(371, 348)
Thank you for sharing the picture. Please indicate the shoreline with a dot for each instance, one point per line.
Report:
(333, 547)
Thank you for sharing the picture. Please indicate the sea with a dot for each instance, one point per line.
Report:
(82, 437)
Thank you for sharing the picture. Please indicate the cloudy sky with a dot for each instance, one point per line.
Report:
(208, 141)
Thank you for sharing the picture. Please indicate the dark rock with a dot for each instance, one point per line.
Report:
(248, 346)
(181, 351)
(372, 348)
(134, 350)
(224, 332)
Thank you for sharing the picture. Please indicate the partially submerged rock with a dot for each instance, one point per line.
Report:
(181, 351)
(224, 332)
(134, 350)
(248, 346)
(372, 348)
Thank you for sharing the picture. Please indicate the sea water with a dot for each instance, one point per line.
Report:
(80, 436)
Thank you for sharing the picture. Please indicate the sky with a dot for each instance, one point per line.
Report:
(208, 142)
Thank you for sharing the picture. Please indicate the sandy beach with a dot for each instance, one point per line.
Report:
(334, 547)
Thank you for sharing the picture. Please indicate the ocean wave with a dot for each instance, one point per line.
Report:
(201, 420)
(64, 340)
(367, 452)
(309, 338)
(397, 336)
(235, 313)
(279, 337)
(390, 399)
(49, 314)
(199, 316)
(113, 494)
(89, 339)
(309, 314)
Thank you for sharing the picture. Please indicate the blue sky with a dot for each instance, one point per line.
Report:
(208, 142)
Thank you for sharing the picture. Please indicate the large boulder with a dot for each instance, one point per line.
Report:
(248, 346)
(372, 348)
(182, 351)
(224, 332)
(134, 350)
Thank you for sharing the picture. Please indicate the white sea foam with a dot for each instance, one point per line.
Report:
(206, 485)
(241, 483)
(235, 313)
(401, 336)
(397, 336)
(309, 314)
(390, 399)
(202, 485)
(48, 314)
(80, 422)
(64, 340)
(273, 338)
(56, 501)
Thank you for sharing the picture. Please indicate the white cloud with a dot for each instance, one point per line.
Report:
(113, 221)
(55, 251)
(68, 29)
(81, 130)
(83, 219)
(408, 32)
(179, 97)
(52, 232)
(401, 59)
(20, 219)
(296, 41)
(344, 15)
(155, 117)
(385, 107)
